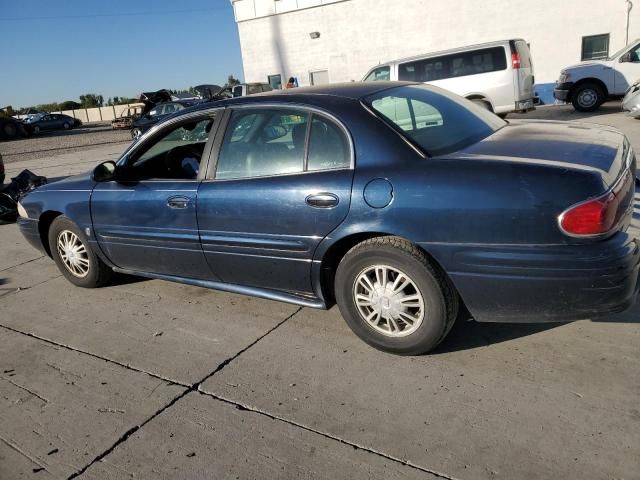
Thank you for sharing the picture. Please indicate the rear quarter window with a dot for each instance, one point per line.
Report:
(434, 120)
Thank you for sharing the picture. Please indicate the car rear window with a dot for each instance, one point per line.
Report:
(472, 62)
(436, 121)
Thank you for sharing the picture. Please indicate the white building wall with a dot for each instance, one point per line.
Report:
(355, 35)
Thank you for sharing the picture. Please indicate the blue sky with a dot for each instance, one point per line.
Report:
(57, 50)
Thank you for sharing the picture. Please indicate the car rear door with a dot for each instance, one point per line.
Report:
(280, 182)
(522, 65)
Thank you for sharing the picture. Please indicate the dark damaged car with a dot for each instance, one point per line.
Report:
(401, 202)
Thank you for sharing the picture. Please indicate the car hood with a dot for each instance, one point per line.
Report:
(588, 63)
(75, 182)
(565, 145)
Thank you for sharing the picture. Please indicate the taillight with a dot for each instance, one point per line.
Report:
(515, 60)
(599, 215)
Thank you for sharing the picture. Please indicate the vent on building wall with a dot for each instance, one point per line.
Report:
(314, 35)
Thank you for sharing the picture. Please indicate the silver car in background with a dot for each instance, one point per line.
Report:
(631, 100)
(497, 75)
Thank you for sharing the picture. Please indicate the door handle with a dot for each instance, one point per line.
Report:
(322, 200)
(178, 202)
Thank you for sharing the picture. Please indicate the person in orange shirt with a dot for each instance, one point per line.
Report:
(292, 83)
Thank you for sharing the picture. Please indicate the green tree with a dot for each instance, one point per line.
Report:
(91, 100)
(48, 107)
(69, 105)
(231, 81)
(124, 100)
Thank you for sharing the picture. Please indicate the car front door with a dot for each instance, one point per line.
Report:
(145, 220)
(280, 184)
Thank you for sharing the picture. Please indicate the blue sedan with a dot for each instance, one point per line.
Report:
(400, 202)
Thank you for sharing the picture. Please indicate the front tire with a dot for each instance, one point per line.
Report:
(74, 257)
(136, 133)
(587, 97)
(393, 297)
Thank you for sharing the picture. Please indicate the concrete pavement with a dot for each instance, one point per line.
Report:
(149, 379)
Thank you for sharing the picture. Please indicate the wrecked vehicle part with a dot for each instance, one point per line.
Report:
(127, 116)
(151, 99)
(25, 182)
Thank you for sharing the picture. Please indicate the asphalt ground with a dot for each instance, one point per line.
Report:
(150, 379)
(48, 144)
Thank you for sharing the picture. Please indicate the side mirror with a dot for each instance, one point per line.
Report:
(625, 58)
(105, 172)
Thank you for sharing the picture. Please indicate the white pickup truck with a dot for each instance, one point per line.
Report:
(588, 85)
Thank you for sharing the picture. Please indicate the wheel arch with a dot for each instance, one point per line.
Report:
(481, 97)
(44, 224)
(338, 249)
(594, 80)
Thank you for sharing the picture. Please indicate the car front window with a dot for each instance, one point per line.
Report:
(618, 53)
(174, 154)
(435, 120)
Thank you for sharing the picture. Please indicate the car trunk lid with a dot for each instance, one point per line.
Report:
(561, 144)
(603, 152)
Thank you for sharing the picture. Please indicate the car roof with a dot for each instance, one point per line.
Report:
(349, 91)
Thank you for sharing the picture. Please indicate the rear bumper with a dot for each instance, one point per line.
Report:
(546, 284)
(29, 229)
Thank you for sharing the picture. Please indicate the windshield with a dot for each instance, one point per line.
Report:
(618, 53)
(437, 121)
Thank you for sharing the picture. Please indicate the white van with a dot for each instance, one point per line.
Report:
(496, 75)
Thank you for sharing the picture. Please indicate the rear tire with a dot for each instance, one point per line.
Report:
(74, 257)
(136, 133)
(587, 97)
(66, 126)
(393, 297)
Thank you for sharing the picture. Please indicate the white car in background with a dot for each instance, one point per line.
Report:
(631, 101)
(33, 117)
(589, 84)
(497, 76)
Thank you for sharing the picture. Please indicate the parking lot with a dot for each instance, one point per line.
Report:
(148, 379)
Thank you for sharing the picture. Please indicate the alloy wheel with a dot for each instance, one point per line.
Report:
(73, 253)
(388, 300)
